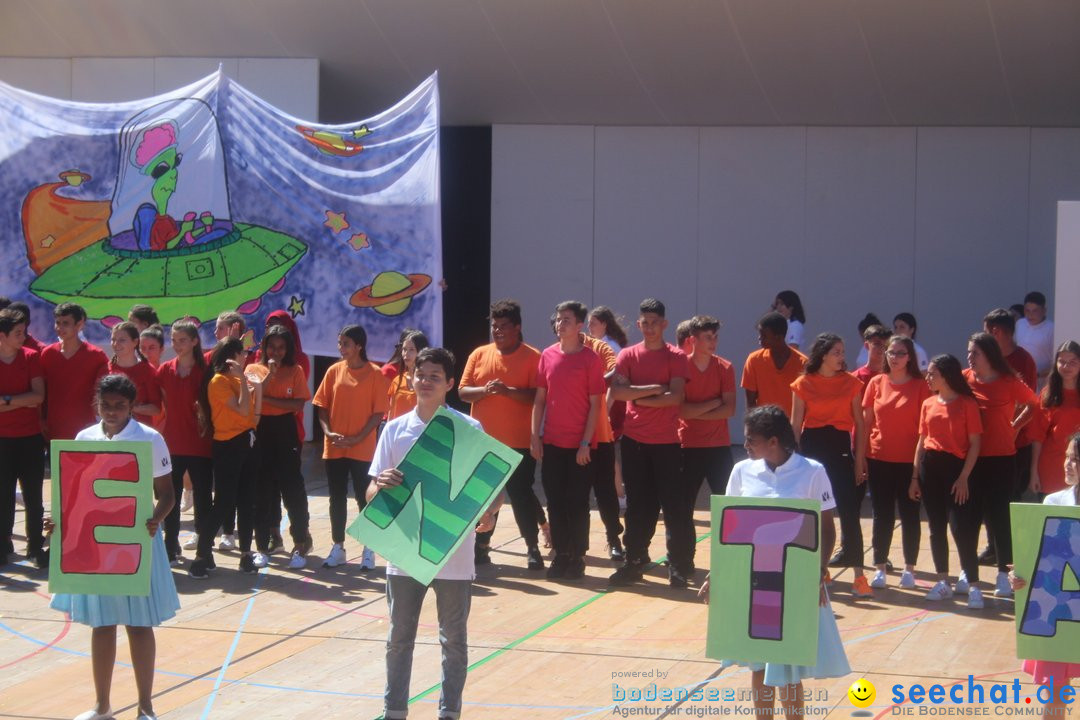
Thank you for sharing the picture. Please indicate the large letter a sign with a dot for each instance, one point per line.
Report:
(451, 474)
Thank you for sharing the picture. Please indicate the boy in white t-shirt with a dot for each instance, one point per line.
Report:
(1035, 333)
(432, 380)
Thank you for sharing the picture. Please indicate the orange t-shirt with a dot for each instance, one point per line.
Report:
(717, 378)
(895, 430)
(1053, 427)
(402, 398)
(997, 402)
(351, 396)
(507, 420)
(228, 423)
(287, 383)
(603, 432)
(773, 387)
(828, 399)
(948, 427)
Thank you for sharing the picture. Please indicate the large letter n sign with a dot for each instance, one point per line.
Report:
(102, 495)
(451, 474)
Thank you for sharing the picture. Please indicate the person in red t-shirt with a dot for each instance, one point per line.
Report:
(127, 360)
(72, 369)
(651, 377)
(31, 343)
(1058, 420)
(875, 340)
(566, 408)
(703, 417)
(22, 448)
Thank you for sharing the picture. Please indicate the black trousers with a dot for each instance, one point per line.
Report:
(936, 477)
(22, 462)
(528, 512)
(338, 472)
(278, 447)
(566, 485)
(889, 484)
(201, 472)
(603, 487)
(236, 469)
(712, 464)
(832, 448)
(992, 483)
(652, 475)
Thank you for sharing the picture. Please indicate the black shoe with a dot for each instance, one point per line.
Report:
(615, 551)
(628, 574)
(247, 564)
(536, 560)
(559, 567)
(988, 557)
(676, 578)
(199, 569)
(40, 558)
(576, 569)
(888, 565)
(482, 555)
(837, 560)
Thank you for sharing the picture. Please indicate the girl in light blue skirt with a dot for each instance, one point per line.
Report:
(774, 470)
(139, 615)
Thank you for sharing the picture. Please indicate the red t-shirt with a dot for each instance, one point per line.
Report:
(866, 374)
(717, 378)
(571, 381)
(895, 429)
(15, 378)
(32, 343)
(947, 427)
(997, 402)
(655, 426)
(147, 389)
(1053, 427)
(181, 431)
(70, 384)
(1021, 361)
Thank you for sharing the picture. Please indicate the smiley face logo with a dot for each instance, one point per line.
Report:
(861, 693)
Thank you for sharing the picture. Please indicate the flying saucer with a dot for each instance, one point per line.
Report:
(390, 293)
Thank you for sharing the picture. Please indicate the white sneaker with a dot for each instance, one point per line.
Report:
(260, 560)
(879, 581)
(94, 715)
(368, 559)
(940, 591)
(962, 587)
(228, 542)
(907, 580)
(975, 599)
(297, 561)
(192, 543)
(177, 561)
(335, 557)
(186, 502)
(1002, 588)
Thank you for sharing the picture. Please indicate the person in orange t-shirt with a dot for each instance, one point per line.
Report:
(825, 409)
(891, 404)
(351, 401)
(1006, 404)
(499, 383)
(1057, 421)
(769, 372)
(401, 393)
(231, 403)
(603, 456)
(950, 433)
(277, 443)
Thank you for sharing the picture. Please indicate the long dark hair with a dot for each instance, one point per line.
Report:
(791, 299)
(279, 331)
(1053, 395)
(395, 359)
(990, 348)
(612, 327)
(823, 343)
(224, 351)
(912, 361)
(952, 374)
(132, 331)
(191, 329)
(359, 336)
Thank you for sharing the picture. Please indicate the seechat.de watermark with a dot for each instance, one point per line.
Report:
(972, 699)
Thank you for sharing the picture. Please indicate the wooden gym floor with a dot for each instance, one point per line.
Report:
(309, 643)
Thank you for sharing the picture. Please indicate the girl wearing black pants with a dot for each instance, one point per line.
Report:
(891, 405)
(826, 408)
(950, 434)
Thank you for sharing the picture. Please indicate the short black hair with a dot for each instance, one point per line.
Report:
(144, 314)
(774, 322)
(703, 323)
(506, 308)
(21, 307)
(117, 384)
(71, 310)
(1035, 297)
(682, 332)
(575, 306)
(1000, 318)
(909, 320)
(769, 421)
(359, 336)
(231, 316)
(5, 301)
(9, 318)
(438, 356)
(652, 305)
(876, 331)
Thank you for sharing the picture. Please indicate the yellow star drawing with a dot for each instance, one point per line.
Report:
(296, 306)
(336, 221)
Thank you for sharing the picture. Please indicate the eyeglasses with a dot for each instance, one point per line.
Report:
(897, 353)
(163, 167)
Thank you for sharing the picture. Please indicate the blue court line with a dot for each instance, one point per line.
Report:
(232, 649)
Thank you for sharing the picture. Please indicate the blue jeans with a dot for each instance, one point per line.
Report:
(405, 596)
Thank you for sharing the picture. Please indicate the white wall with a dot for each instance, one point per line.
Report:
(1067, 326)
(946, 223)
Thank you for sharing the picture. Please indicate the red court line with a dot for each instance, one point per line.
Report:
(43, 648)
